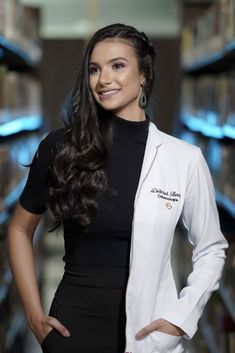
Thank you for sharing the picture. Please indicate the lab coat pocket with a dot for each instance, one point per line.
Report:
(164, 342)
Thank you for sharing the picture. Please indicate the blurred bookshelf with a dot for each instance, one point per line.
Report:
(207, 119)
(21, 129)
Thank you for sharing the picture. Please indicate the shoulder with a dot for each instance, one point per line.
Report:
(49, 146)
(54, 136)
(51, 140)
(177, 147)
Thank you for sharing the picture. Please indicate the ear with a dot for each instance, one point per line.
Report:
(142, 80)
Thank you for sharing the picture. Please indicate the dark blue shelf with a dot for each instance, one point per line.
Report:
(229, 131)
(20, 124)
(14, 56)
(196, 124)
(205, 61)
(217, 61)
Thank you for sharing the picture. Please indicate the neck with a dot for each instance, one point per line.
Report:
(138, 115)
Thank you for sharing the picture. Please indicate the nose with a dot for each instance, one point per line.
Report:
(105, 77)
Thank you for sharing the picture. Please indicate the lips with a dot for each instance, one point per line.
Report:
(108, 92)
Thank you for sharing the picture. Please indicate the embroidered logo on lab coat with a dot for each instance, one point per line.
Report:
(172, 196)
(168, 205)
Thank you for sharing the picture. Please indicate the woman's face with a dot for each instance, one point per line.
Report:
(114, 77)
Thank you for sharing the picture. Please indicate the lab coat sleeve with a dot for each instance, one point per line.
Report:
(200, 217)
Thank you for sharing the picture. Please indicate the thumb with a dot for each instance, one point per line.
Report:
(147, 329)
(52, 321)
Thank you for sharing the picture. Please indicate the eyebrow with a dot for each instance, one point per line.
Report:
(110, 61)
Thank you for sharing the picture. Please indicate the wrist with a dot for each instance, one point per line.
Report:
(35, 318)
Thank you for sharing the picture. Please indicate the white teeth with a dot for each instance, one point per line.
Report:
(109, 92)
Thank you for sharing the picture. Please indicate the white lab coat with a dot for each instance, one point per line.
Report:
(175, 182)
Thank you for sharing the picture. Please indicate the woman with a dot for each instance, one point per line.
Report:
(119, 186)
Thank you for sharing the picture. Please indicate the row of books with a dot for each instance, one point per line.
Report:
(221, 161)
(19, 24)
(13, 156)
(210, 98)
(20, 94)
(210, 32)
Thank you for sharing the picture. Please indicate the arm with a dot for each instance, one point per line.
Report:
(20, 233)
(200, 217)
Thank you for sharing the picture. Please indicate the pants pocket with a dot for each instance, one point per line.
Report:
(45, 339)
(52, 312)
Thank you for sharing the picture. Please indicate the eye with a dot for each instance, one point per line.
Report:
(92, 70)
(118, 65)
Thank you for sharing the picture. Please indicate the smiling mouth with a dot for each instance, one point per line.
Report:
(109, 93)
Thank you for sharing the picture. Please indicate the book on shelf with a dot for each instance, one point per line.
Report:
(210, 98)
(209, 33)
(228, 19)
(20, 25)
(20, 94)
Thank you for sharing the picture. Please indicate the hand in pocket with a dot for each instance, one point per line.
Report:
(42, 328)
(161, 325)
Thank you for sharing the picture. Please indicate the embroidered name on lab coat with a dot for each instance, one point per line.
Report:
(167, 195)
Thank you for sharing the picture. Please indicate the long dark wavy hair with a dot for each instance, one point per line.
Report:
(79, 176)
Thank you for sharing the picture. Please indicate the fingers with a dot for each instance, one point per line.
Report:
(52, 321)
(161, 325)
(147, 329)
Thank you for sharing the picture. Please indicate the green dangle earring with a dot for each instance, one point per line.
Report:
(142, 99)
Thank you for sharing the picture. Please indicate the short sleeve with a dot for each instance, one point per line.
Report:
(32, 197)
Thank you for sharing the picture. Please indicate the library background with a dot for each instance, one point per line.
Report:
(40, 51)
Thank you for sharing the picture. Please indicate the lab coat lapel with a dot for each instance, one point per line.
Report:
(154, 140)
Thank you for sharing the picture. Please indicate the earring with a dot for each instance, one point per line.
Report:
(142, 100)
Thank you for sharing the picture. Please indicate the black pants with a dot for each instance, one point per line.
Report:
(90, 302)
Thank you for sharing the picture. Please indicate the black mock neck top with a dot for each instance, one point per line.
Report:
(107, 242)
